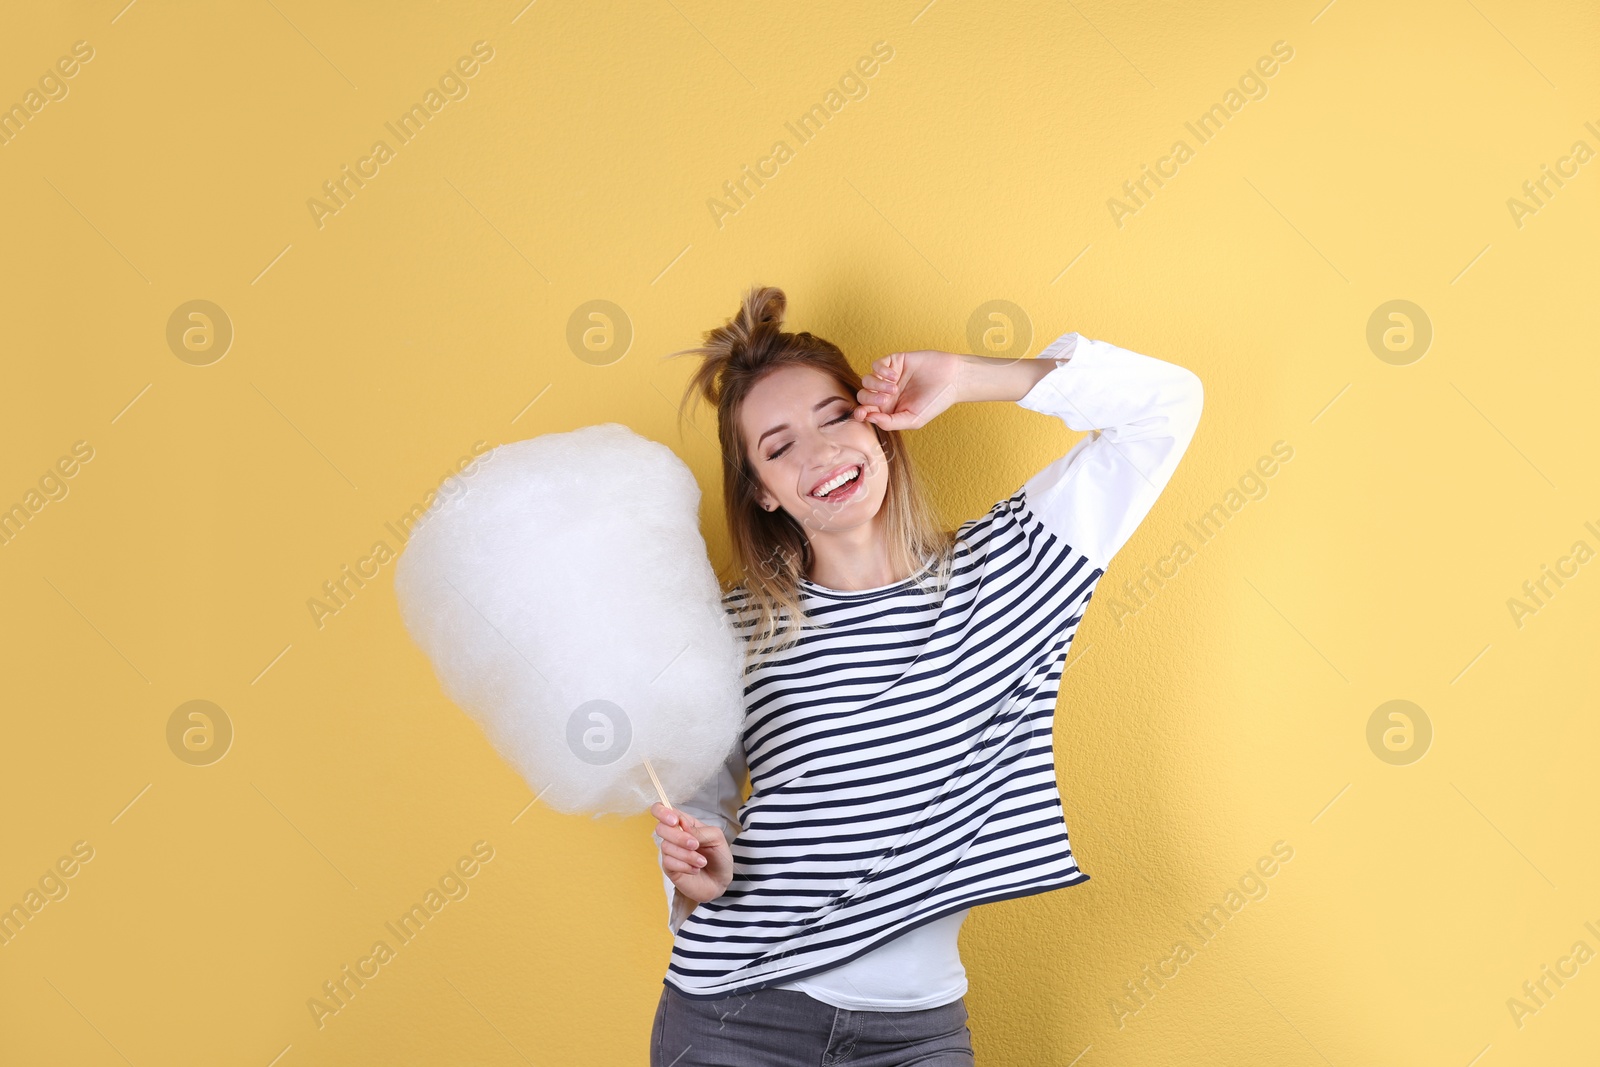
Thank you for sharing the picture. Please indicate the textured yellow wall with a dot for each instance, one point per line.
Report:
(217, 482)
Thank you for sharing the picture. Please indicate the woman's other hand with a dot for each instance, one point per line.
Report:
(905, 390)
(694, 854)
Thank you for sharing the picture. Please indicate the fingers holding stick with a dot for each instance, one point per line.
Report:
(680, 845)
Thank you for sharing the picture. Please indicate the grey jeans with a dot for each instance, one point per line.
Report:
(787, 1028)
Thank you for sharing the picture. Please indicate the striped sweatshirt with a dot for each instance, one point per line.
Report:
(900, 755)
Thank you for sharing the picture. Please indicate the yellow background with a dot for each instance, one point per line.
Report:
(432, 311)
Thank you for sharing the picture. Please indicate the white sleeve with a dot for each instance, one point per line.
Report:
(1141, 412)
(716, 803)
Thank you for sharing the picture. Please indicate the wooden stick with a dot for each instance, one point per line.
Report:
(662, 793)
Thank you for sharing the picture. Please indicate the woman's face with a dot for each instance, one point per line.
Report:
(801, 438)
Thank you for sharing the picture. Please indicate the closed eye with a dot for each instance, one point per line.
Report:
(830, 422)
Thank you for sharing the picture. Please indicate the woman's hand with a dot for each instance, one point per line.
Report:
(695, 855)
(905, 390)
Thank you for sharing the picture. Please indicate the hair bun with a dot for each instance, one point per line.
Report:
(754, 328)
(766, 305)
(749, 339)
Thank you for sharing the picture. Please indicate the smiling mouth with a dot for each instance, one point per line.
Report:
(836, 483)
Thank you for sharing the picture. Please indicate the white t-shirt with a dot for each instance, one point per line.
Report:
(948, 694)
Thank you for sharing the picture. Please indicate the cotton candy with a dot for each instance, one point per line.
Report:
(564, 596)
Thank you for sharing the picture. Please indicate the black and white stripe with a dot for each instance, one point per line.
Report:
(900, 759)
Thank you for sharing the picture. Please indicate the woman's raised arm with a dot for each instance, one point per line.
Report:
(1141, 412)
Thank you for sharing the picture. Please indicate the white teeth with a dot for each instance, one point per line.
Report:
(848, 476)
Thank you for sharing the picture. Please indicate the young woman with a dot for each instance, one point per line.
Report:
(900, 687)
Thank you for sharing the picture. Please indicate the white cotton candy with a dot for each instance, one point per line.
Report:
(563, 593)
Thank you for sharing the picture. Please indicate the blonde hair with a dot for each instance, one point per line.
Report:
(770, 549)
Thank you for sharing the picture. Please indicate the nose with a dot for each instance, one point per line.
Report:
(830, 457)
